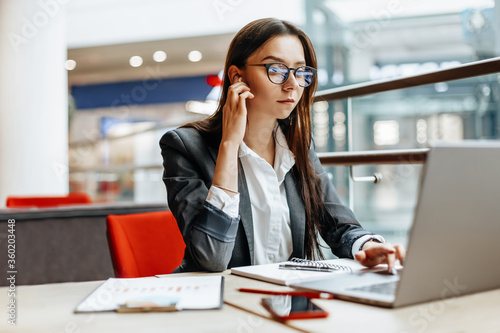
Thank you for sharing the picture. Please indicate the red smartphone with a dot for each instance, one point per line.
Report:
(292, 307)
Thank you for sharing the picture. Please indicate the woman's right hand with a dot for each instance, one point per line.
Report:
(234, 113)
(234, 123)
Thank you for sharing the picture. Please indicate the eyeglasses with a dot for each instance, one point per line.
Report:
(278, 73)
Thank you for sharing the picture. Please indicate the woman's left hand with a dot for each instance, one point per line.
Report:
(374, 253)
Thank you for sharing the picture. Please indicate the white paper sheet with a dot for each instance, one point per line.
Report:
(194, 292)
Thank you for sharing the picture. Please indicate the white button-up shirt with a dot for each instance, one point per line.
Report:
(271, 216)
(266, 188)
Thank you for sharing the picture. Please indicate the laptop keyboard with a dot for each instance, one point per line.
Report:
(387, 288)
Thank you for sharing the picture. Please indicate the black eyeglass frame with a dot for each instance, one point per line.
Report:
(268, 65)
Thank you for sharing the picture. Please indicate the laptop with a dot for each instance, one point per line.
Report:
(454, 241)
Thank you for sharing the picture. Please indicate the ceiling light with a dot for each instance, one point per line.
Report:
(195, 56)
(70, 64)
(159, 56)
(135, 61)
(206, 107)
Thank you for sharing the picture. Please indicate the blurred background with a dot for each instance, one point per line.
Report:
(90, 86)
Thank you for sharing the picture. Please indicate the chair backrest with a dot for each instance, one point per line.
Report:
(144, 244)
(48, 201)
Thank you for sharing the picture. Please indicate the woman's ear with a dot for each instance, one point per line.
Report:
(234, 74)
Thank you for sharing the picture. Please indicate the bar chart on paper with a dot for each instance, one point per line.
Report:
(191, 292)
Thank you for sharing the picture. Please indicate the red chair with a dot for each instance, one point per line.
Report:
(50, 201)
(144, 244)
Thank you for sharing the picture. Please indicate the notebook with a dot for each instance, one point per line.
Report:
(454, 239)
(297, 270)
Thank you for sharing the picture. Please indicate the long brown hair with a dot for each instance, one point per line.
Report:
(297, 127)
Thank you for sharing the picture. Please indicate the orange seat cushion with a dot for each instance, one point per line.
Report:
(144, 244)
(48, 201)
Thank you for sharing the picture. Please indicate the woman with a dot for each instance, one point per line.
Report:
(245, 184)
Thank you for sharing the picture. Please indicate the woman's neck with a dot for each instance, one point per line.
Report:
(259, 137)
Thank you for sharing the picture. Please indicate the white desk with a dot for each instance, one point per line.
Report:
(472, 313)
(49, 308)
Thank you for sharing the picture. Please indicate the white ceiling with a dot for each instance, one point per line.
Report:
(110, 63)
(104, 34)
(194, 25)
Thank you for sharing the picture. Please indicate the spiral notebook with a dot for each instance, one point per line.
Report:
(297, 270)
(310, 265)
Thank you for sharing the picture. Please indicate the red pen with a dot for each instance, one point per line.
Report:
(288, 293)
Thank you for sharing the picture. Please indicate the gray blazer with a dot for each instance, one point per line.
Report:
(215, 241)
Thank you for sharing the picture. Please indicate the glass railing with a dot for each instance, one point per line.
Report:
(382, 129)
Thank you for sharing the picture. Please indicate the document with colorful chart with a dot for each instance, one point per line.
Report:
(150, 293)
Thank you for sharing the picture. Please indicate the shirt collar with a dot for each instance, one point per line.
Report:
(245, 150)
(283, 159)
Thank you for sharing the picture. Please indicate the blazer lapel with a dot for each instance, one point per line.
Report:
(245, 205)
(246, 212)
(297, 216)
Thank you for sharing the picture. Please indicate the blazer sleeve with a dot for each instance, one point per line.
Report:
(208, 232)
(341, 228)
